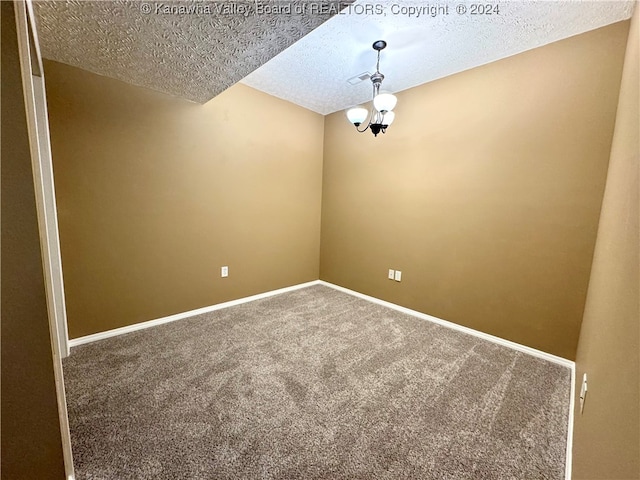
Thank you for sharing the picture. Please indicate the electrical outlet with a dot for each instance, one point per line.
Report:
(391, 274)
(224, 272)
(583, 392)
(398, 276)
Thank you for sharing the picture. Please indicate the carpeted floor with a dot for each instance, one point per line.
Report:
(313, 384)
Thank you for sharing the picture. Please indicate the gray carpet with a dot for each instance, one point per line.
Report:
(313, 384)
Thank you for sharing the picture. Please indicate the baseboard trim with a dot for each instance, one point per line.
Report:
(491, 338)
(572, 405)
(74, 342)
(180, 316)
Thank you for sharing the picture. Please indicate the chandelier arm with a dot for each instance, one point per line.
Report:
(365, 128)
(368, 121)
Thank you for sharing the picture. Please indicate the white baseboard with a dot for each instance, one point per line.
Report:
(572, 404)
(74, 342)
(491, 338)
(485, 336)
(179, 316)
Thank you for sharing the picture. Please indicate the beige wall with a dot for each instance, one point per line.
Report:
(485, 192)
(155, 194)
(607, 434)
(31, 442)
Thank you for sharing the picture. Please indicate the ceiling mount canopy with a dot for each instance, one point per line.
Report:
(381, 115)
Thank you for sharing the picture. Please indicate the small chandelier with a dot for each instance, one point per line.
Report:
(382, 114)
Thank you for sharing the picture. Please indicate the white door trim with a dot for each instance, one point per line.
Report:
(38, 129)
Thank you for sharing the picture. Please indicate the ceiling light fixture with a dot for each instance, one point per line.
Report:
(381, 115)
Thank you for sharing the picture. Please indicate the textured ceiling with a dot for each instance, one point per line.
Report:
(191, 49)
(314, 71)
(195, 49)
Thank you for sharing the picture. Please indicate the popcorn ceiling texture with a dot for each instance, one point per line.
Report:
(196, 56)
(313, 72)
(190, 49)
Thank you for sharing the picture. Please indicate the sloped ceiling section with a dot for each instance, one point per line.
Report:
(190, 49)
